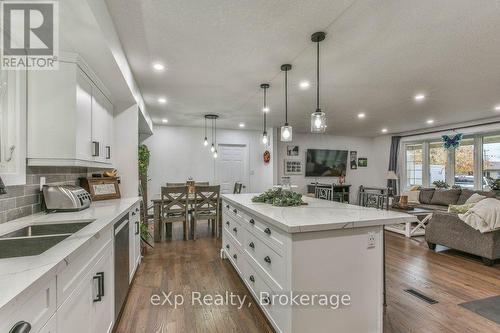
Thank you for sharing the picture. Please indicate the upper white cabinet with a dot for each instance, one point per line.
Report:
(70, 117)
(13, 126)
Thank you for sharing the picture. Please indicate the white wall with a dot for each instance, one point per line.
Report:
(124, 153)
(376, 150)
(177, 153)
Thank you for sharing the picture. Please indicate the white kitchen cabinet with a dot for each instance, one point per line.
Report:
(134, 240)
(89, 308)
(70, 117)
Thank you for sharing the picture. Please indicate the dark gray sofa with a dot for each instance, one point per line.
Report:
(447, 229)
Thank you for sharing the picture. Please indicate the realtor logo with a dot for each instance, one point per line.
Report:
(30, 36)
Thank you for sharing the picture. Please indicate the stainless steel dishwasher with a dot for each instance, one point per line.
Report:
(121, 263)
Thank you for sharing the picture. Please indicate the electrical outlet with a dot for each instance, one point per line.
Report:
(42, 182)
(371, 240)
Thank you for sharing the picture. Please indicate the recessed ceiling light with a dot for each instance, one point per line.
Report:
(497, 107)
(162, 100)
(304, 84)
(266, 109)
(164, 120)
(242, 125)
(419, 97)
(430, 121)
(361, 115)
(158, 67)
(384, 130)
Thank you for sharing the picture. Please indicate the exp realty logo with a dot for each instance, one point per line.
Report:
(29, 34)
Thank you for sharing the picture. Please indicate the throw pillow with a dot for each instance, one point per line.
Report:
(460, 209)
(475, 198)
(445, 197)
(426, 195)
(413, 197)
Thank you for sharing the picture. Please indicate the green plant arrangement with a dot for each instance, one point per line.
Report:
(144, 155)
(441, 184)
(280, 198)
(495, 186)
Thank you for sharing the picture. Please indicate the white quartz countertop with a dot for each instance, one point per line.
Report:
(18, 274)
(317, 215)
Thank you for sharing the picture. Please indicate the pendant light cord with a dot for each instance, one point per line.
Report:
(317, 78)
(286, 98)
(265, 105)
(205, 128)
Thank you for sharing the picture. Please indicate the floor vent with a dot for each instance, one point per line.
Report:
(423, 297)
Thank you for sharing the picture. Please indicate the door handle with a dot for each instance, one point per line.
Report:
(100, 286)
(95, 148)
(137, 227)
(108, 152)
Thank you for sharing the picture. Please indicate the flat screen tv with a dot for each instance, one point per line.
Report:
(326, 163)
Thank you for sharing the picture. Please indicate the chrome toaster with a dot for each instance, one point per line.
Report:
(65, 198)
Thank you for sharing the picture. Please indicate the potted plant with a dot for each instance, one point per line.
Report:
(441, 184)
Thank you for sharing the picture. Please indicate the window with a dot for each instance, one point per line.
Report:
(438, 161)
(491, 160)
(414, 159)
(464, 164)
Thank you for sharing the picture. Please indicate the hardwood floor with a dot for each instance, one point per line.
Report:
(182, 267)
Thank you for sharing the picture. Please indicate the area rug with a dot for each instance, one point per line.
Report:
(489, 308)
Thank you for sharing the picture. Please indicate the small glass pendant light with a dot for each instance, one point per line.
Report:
(318, 117)
(205, 142)
(286, 130)
(265, 108)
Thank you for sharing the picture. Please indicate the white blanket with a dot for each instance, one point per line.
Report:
(484, 216)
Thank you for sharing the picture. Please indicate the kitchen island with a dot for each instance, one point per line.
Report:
(317, 267)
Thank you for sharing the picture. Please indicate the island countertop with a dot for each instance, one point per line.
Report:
(317, 215)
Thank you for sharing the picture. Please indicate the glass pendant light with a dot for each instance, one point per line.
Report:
(215, 138)
(205, 142)
(265, 108)
(318, 117)
(286, 130)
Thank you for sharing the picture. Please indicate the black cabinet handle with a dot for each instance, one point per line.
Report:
(267, 231)
(235, 256)
(21, 327)
(137, 227)
(267, 259)
(137, 209)
(252, 221)
(252, 245)
(235, 229)
(266, 301)
(133, 213)
(227, 206)
(227, 223)
(108, 152)
(100, 286)
(252, 278)
(95, 148)
(235, 211)
(227, 246)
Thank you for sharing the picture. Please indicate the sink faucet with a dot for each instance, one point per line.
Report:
(2, 187)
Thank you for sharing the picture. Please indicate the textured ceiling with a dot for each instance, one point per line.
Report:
(376, 56)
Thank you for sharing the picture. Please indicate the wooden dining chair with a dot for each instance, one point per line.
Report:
(237, 188)
(174, 207)
(175, 184)
(206, 207)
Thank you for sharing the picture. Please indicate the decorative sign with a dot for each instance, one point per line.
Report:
(362, 162)
(293, 167)
(267, 156)
(452, 142)
(102, 188)
(292, 150)
(354, 160)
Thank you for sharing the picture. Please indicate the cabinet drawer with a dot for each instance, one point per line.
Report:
(234, 228)
(265, 232)
(77, 266)
(234, 253)
(233, 211)
(266, 258)
(260, 289)
(35, 310)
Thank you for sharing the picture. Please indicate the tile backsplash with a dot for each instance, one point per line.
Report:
(24, 200)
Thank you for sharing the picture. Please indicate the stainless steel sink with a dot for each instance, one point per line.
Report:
(35, 239)
(46, 229)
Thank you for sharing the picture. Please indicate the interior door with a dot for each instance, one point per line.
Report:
(232, 167)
